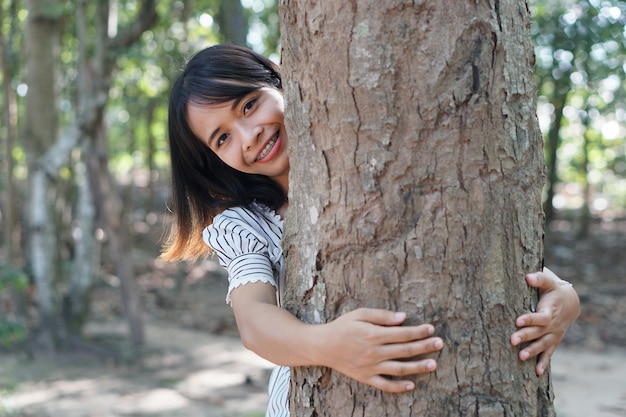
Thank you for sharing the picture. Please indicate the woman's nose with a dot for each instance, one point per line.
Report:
(250, 135)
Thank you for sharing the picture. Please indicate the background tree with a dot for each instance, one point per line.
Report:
(581, 53)
(8, 58)
(43, 39)
(102, 168)
(233, 23)
(426, 196)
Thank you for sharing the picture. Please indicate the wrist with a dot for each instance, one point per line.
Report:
(316, 345)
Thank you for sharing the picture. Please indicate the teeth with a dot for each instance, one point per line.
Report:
(269, 147)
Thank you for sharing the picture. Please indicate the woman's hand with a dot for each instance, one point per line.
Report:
(366, 344)
(370, 345)
(544, 329)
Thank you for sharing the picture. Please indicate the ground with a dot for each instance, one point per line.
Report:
(194, 365)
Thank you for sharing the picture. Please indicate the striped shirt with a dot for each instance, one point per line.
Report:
(249, 245)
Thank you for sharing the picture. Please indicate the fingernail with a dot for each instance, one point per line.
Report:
(430, 365)
(516, 340)
(521, 322)
(540, 370)
(431, 330)
(410, 386)
(438, 344)
(399, 316)
(523, 355)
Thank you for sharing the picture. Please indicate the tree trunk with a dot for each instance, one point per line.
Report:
(41, 128)
(151, 150)
(106, 197)
(553, 142)
(232, 21)
(585, 210)
(86, 250)
(46, 156)
(10, 215)
(418, 122)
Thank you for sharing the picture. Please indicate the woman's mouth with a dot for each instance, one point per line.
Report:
(268, 148)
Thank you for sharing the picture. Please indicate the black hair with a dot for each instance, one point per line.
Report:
(202, 184)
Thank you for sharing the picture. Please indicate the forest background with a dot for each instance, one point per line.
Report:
(84, 168)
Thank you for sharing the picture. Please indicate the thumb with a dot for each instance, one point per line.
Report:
(544, 281)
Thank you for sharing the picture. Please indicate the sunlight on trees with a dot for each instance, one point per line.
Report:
(580, 52)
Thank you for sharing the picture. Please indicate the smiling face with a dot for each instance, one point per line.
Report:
(247, 134)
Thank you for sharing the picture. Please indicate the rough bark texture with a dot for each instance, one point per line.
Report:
(417, 170)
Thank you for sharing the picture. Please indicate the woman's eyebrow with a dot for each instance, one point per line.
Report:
(212, 136)
(237, 101)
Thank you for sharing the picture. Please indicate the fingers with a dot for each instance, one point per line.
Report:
(533, 326)
(402, 346)
(379, 347)
(396, 368)
(544, 361)
(390, 385)
(378, 316)
(538, 346)
(399, 368)
(387, 327)
(411, 349)
(401, 334)
(540, 318)
(543, 348)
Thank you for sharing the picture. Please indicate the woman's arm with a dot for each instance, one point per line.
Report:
(364, 344)
(557, 309)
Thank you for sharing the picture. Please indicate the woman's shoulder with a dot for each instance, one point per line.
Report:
(255, 215)
(239, 230)
(258, 219)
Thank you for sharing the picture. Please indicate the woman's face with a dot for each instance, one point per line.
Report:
(248, 135)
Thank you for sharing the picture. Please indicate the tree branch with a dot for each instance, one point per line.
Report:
(57, 155)
(145, 19)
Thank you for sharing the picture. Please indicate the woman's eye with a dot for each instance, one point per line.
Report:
(249, 105)
(221, 139)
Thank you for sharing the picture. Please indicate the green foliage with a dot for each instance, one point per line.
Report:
(5, 408)
(264, 36)
(580, 47)
(12, 280)
(11, 332)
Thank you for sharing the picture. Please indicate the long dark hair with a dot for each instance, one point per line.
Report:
(203, 185)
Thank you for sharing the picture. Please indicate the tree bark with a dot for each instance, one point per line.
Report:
(10, 215)
(41, 128)
(86, 250)
(553, 143)
(233, 22)
(105, 194)
(418, 122)
(47, 155)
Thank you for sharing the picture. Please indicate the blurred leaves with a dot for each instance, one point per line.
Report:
(12, 281)
(581, 59)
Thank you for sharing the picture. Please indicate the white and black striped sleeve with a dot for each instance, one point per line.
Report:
(237, 238)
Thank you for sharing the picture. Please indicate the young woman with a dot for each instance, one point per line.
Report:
(230, 172)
